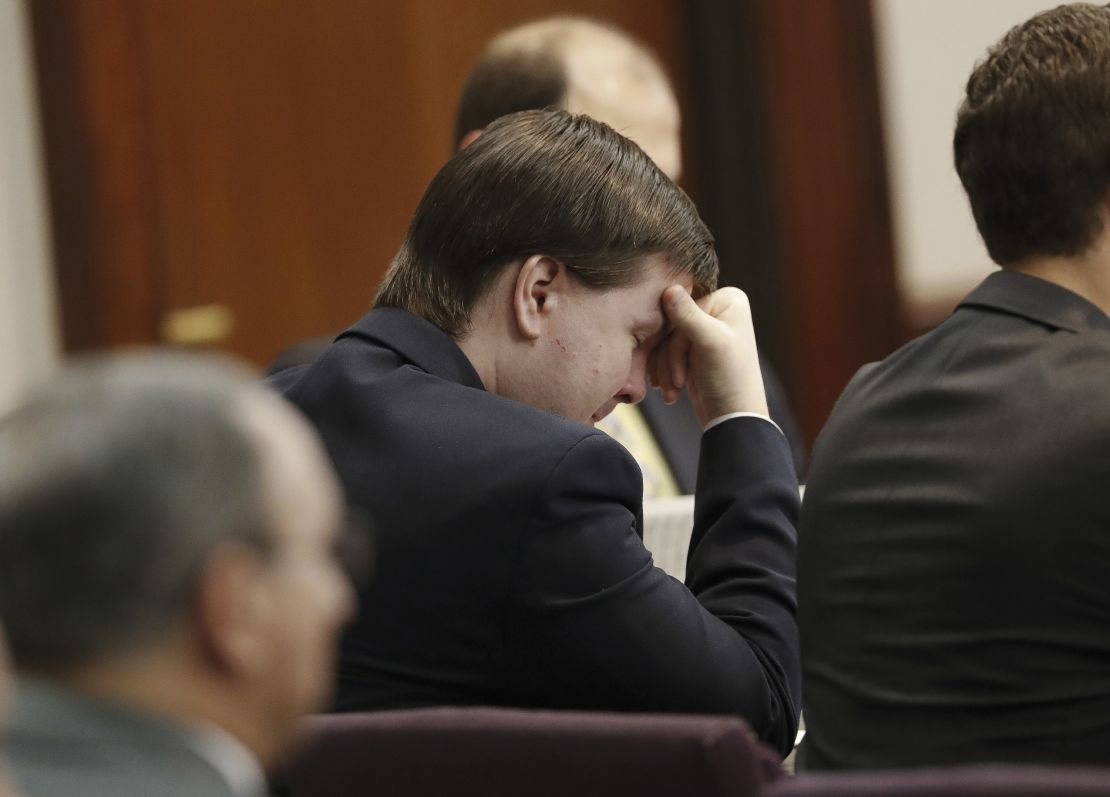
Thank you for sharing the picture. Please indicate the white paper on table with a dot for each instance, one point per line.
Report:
(668, 524)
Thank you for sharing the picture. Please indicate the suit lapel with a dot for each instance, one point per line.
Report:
(57, 736)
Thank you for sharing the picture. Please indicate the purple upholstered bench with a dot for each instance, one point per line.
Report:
(491, 752)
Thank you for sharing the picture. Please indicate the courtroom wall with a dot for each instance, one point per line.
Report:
(28, 337)
(926, 51)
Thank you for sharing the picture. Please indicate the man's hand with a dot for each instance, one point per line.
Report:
(712, 351)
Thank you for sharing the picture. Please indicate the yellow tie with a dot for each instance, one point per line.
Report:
(627, 426)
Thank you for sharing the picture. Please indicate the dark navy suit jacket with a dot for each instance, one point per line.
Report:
(511, 569)
(677, 431)
(953, 591)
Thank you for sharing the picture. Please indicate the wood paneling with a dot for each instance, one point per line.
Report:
(834, 211)
(738, 180)
(98, 170)
(795, 184)
(263, 156)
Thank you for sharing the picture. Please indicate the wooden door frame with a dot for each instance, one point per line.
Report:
(91, 95)
(794, 184)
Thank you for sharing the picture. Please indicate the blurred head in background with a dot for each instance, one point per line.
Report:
(581, 66)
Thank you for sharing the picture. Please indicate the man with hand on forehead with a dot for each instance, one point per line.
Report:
(588, 66)
(549, 273)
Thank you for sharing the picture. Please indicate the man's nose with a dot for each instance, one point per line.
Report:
(635, 387)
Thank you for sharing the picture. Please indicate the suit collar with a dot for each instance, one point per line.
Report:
(43, 709)
(1038, 300)
(418, 341)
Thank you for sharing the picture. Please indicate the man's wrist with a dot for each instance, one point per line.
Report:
(722, 418)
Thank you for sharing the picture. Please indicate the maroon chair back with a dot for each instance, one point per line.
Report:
(456, 752)
(986, 780)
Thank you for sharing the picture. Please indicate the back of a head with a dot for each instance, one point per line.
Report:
(1032, 141)
(116, 479)
(519, 70)
(542, 182)
(580, 65)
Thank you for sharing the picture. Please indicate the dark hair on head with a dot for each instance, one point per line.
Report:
(506, 82)
(116, 480)
(1032, 142)
(550, 183)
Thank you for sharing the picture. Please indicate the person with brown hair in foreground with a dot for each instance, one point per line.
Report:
(953, 597)
(550, 271)
(587, 66)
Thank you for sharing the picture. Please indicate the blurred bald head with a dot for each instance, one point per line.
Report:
(581, 66)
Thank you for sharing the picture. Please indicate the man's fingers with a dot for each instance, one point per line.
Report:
(681, 309)
(684, 315)
(663, 373)
(678, 359)
(712, 351)
(704, 322)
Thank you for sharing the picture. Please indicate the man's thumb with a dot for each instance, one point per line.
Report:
(682, 310)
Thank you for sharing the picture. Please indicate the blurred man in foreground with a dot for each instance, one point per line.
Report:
(167, 579)
(953, 594)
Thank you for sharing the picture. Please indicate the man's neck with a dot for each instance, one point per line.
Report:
(159, 687)
(1087, 275)
(481, 354)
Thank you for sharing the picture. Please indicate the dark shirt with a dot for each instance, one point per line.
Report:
(511, 568)
(953, 594)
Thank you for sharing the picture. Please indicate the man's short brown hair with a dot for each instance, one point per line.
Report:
(1032, 140)
(542, 183)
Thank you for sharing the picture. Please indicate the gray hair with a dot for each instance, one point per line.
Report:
(116, 480)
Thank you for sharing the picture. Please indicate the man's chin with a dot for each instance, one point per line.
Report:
(600, 415)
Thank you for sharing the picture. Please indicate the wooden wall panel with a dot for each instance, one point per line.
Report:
(835, 227)
(98, 170)
(261, 156)
(738, 179)
(795, 184)
(266, 156)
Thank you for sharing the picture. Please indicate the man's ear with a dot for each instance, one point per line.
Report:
(535, 293)
(231, 611)
(469, 139)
